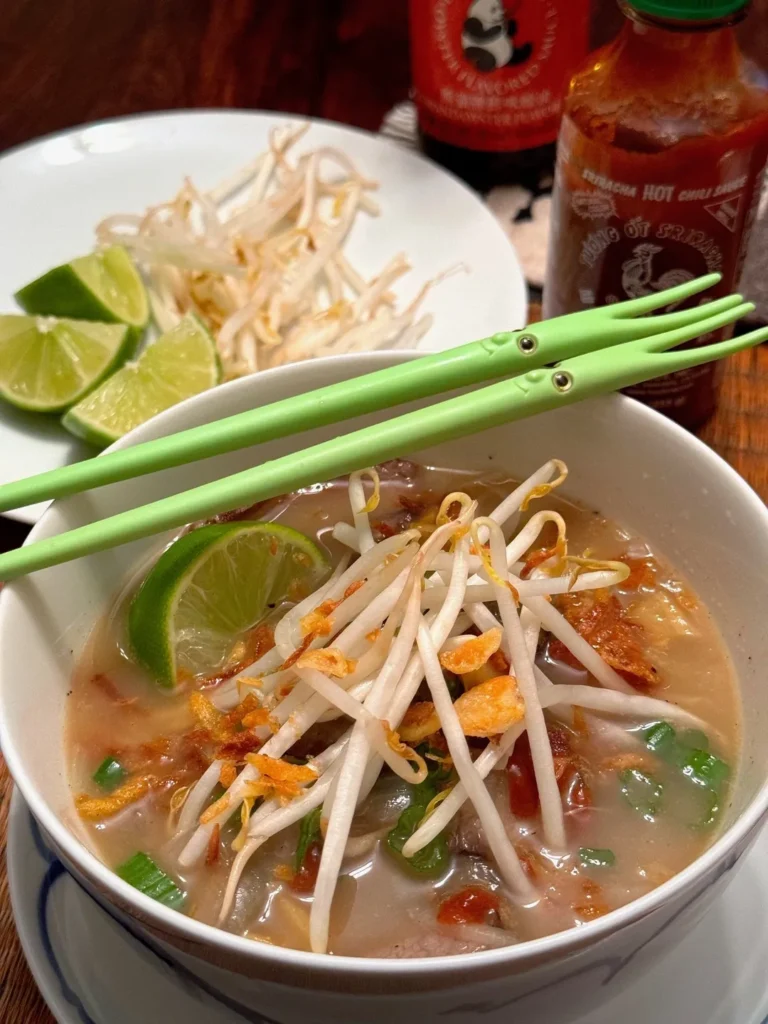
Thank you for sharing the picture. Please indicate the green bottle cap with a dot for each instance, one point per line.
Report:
(688, 10)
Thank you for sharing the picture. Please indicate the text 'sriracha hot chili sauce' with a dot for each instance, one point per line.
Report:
(489, 78)
(661, 156)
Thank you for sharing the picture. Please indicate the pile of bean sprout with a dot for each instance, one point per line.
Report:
(361, 647)
(260, 258)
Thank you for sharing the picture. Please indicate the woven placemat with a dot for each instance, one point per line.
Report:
(20, 1000)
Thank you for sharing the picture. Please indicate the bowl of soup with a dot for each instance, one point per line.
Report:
(474, 733)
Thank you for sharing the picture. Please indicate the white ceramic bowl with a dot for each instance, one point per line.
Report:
(626, 461)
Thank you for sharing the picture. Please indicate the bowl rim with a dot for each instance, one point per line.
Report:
(522, 955)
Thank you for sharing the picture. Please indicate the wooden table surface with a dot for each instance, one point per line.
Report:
(73, 61)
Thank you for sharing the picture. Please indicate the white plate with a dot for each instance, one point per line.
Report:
(54, 191)
(91, 970)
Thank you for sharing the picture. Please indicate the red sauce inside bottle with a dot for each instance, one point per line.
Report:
(661, 157)
(489, 78)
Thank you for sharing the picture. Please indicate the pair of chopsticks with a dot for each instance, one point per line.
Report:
(554, 363)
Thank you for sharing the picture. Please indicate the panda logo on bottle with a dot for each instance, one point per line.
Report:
(488, 37)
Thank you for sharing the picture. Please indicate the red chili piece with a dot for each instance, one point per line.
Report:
(305, 878)
(473, 905)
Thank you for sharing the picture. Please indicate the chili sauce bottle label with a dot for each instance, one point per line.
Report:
(491, 75)
(627, 224)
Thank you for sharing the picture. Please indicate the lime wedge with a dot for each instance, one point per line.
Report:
(46, 364)
(210, 587)
(181, 363)
(104, 285)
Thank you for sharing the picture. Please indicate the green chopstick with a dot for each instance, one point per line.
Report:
(500, 355)
(540, 390)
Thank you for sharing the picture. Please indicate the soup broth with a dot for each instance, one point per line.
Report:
(639, 791)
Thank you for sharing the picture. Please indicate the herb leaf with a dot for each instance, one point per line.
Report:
(309, 833)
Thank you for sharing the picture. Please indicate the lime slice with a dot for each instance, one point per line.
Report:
(104, 285)
(181, 363)
(46, 364)
(210, 587)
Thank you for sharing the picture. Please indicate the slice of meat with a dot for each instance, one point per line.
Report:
(467, 835)
(599, 617)
(321, 736)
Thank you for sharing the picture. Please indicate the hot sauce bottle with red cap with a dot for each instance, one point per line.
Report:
(662, 152)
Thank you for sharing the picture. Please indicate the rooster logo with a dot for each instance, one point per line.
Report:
(637, 273)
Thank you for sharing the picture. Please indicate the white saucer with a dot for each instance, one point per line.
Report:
(91, 970)
(54, 190)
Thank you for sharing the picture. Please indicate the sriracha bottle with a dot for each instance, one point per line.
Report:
(661, 156)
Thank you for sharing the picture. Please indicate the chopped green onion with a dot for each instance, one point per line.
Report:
(143, 874)
(109, 774)
(707, 809)
(309, 834)
(662, 740)
(705, 769)
(688, 751)
(595, 858)
(432, 860)
(641, 791)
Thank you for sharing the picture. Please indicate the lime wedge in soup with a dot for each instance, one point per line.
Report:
(210, 587)
(105, 285)
(46, 364)
(181, 363)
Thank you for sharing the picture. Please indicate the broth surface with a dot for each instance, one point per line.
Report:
(380, 909)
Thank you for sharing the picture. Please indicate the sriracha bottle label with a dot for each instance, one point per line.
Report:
(629, 223)
(491, 75)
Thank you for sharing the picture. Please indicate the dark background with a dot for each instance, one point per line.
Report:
(63, 62)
